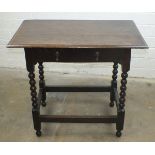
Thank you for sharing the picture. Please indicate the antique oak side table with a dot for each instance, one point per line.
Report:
(78, 41)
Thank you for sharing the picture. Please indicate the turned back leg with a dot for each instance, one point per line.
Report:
(42, 83)
(113, 84)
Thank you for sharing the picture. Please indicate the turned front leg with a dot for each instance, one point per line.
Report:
(35, 108)
(113, 84)
(121, 110)
(42, 83)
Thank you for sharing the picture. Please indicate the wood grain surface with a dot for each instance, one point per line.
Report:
(77, 34)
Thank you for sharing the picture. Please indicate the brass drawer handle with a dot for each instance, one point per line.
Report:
(97, 56)
(57, 55)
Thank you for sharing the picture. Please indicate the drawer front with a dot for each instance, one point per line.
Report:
(73, 55)
(76, 55)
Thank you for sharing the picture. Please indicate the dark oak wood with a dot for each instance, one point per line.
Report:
(42, 83)
(78, 34)
(122, 56)
(78, 119)
(78, 88)
(35, 105)
(80, 55)
(113, 84)
(121, 110)
(78, 42)
(116, 98)
(39, 99)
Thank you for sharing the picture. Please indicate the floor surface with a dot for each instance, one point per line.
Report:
(15, 109)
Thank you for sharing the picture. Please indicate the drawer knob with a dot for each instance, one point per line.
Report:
(57, 55)
(97, 56)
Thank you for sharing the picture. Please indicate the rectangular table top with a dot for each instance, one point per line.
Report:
(77, 34)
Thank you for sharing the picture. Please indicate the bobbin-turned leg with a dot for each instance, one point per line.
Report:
(121, 110)
(42, 83)
(35, 109)
(113, 84)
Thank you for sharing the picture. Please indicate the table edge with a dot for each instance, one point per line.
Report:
(10, 45)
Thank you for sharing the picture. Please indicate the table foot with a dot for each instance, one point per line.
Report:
(118, 133)
(38, 133)
(111, 104)
(43, 103)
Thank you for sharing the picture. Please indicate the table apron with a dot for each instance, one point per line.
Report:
(75, 55)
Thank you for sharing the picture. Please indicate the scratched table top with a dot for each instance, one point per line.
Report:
(77, 34)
